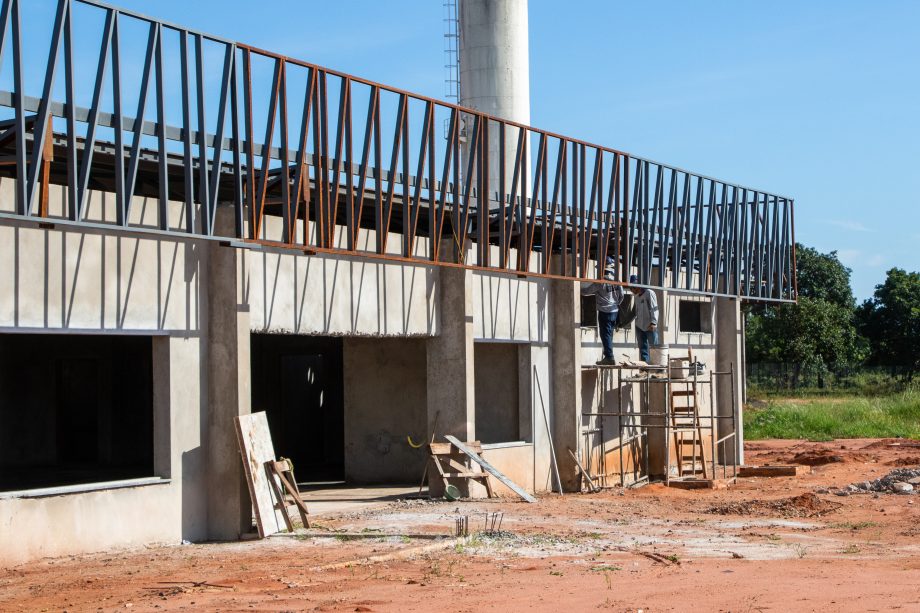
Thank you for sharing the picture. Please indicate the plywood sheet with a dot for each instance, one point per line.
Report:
(256, 448)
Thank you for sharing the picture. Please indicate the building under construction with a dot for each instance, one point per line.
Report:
(194, 229)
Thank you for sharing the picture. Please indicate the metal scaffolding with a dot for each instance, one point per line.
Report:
(634, 423)
(221, 128)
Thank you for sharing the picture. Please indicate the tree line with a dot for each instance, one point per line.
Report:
(827, 330)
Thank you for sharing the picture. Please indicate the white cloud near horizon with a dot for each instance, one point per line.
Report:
(848, 224)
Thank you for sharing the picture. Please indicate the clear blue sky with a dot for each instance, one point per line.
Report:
(819, 100)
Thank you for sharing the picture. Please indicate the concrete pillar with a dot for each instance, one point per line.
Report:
(450, 383)
(729, 354)
(450, 378)
(229, 395)
(565, 341)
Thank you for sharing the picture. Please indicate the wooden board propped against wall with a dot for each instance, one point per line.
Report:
(256, 448)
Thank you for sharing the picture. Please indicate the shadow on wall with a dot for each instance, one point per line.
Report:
(91, 281)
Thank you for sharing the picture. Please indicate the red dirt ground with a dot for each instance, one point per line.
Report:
(764, 544)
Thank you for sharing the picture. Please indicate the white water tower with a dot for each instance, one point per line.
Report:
(495, 71)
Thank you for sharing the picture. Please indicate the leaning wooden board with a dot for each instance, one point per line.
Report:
(490, 469)
(256, 448)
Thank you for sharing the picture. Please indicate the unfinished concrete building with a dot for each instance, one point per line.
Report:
(193, 229)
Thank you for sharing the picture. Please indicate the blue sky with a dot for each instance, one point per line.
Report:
(817, 100)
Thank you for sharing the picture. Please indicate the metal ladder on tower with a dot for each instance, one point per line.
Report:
(686, 428)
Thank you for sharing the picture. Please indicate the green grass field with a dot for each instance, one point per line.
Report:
(836, 416)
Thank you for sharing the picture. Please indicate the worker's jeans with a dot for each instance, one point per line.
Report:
(605, 324)
(645, 339)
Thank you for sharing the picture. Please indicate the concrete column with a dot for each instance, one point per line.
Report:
(450, 378)
(729, 354)
(229, 508)
(450, 383)
(565, 343)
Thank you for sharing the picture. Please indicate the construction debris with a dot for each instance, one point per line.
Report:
(804, 505)
(898, 481)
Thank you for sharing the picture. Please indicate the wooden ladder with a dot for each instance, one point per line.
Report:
(452, 463)
(686, 428)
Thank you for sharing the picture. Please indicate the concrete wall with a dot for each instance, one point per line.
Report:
(166, 509)
(33, 528)
(385, 401)
(62, 280)
(337, 295)
(510, 308)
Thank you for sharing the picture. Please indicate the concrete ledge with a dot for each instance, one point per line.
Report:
(82, 488)
(488, 446)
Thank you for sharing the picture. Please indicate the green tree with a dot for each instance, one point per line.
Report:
(891, 320)
(819, 330)
(823, 276)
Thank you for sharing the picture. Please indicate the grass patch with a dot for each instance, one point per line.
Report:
(825, 418)
(851, 549)
(858, 525)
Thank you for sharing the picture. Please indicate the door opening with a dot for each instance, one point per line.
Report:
(297, 381)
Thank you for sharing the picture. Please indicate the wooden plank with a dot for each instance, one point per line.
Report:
(256, 449)
(448, 449)
(490, 469)
(791, 470)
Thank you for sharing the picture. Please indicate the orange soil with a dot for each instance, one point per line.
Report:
(764, 544)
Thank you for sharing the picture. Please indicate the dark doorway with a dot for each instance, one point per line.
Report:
(74, 409)
(297, 381)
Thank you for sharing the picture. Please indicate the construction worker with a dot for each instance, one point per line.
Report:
(607, 300)
(646, 318)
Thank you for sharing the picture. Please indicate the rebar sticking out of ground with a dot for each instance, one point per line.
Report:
(462, 526)
(493, 523)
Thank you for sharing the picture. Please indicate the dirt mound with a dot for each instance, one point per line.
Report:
(911, 460)
(816, 457)
(820, 457)
(887, 443)
(804, 505)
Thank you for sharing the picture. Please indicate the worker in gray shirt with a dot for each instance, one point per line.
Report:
(646, 318)
(607, 300)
